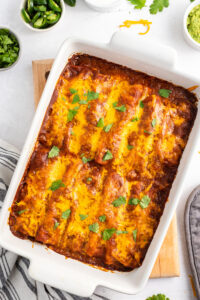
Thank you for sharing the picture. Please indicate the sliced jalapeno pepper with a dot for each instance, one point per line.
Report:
(70, 2)
(25, 16)
(40, 23)
(30, 6)
(40, 8)
(54, 6)
(40, 2)
(53, 18)
(36, 16)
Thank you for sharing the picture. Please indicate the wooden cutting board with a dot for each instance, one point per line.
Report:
(167, 263)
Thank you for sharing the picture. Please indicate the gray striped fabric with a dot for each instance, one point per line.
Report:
(15, 283)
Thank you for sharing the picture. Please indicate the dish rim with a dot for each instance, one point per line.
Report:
(135, 280)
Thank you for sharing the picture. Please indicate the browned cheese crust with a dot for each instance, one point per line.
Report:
(115, 139)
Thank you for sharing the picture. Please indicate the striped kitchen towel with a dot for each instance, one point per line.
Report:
(15, 283)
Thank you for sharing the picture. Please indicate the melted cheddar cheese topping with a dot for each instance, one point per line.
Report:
(118, 142)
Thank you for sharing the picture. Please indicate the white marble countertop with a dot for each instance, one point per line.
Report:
(17, 103)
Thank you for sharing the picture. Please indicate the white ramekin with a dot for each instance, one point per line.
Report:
(103, 5)
(23, 2)
(187, 36)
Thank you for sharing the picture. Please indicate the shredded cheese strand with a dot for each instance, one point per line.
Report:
(129, 23)
(192, 88)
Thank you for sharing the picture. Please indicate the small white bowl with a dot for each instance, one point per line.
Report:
(23, 3)
(19, 54)
(187, 36)
(103, 5)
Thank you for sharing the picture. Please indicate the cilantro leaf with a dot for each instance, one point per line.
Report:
(83, 217)
(135, 119)
(94, 227)
(53, 152)
(119, 201)
(158, 297)
(107, 156)
(107, 233)
(100, 123)
(73, 91)
(56, 225)
(135, 234)
(56, 185)
(121, 232)
(139, 4)
(85, 159)
(92, 95)
(148, 132)
(144, 201)
(121, 108)
(66, 214)
(141, 104)
(107, 127)
(153, 123)
(83, 102)
(76, 99)
(130, 147)
(102, 218)
(158, 5)
(89, 179)
(134, 201)
(21, 211)
(71, 113)
(164, 93)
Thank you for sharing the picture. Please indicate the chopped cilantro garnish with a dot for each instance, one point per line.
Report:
(119, 201)
(121, 108)
(83, 217)
(107, 156)
(135, 119)
(153, 123)
(66, 214)
(73, 91)
(53, 152)
(56, 225)
(71, 113)
(92, 95)
(72, 133)
(85, 159)
(148, 132)
(130, 147)
(115, 104)
(135, 234)
(94, 227)
(144, 201)
(21, 211)
(158, 5)
(56, 185)
(134, 201)
(83, 102)
(102, 218)
(100, 123)
(107, 127)
(118, 232)
(164, 93)
(141, 104)
(138, 4)
(89, 179)
(76, 99)
(107, 233)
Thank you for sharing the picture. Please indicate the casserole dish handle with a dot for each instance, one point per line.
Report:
(144, 49)
(50, 274)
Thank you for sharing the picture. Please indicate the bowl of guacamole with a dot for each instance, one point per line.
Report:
(192, 24)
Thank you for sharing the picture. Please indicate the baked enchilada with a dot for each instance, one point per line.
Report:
(103, 164)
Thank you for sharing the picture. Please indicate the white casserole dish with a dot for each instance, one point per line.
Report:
(139, 53)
